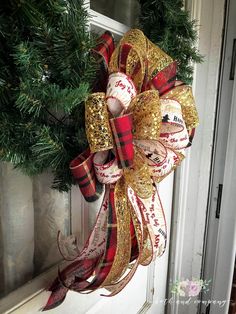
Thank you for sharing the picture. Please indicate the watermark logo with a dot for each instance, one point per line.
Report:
(189, 288)
(186, 292)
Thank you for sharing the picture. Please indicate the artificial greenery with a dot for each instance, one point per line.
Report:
(169, 26)
(46, 72)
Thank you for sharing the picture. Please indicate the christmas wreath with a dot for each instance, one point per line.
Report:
(137, 132)
(113, 120)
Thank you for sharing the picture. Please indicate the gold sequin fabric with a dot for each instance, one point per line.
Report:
(136, 40)
(146, 115)
(98, 129)
(157, 59)
(123, 247)
(143, 55)
(138, 177)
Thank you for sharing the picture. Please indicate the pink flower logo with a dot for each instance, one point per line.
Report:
(193, 288)
(189, 288)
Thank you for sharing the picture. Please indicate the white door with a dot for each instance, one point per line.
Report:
(148, 286)
(145, 292)
(219, 167)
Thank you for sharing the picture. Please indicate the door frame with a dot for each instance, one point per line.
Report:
(192, 179)
(223, 114)
(226, 245)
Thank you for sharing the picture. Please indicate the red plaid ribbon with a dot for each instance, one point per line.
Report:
(105, 47)
(74, 277)
(78, 270)
(122, 132)
(123, 54)
(83, 171)
(102, 53)
(165, 79)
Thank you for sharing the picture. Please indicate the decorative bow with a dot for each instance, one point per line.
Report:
(137, 132)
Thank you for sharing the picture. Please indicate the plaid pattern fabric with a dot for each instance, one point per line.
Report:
(123, 55)
(122, 133)
(106, 261)
(74, 272)
(105, 47)
(83, 171)
(165, 79)
(58, 295)
(111, 242)
(102, 54)
(74, 276)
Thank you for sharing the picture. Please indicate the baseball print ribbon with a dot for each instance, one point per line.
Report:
(137, 130)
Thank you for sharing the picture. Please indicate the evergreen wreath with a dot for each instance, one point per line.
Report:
(47, 72)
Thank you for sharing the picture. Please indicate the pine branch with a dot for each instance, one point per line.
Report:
(46, 73)
(166, 24)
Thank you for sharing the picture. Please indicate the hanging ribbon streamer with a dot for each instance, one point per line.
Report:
(137, 131)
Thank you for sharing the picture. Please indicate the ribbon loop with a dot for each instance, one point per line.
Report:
(129, 57)
(147, 115)
(120, 92)
(157, 59)
(97, 125)
(83, 171)
(183, 95)
(174, 133)
(106, 172)
(122, 132)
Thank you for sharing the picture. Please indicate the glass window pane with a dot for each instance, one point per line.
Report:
(31, 213)
(123, 11)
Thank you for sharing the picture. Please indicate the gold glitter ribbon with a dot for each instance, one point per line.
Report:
(138, 177)
(146, 115)
(123, 247)
(157, 59)
(143, 55)
(97, 125)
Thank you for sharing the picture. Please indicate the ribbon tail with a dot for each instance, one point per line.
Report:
(58, 295)
(75, 275)
(143, 252)
(95, 243)
(154, 218)
(105, 264)
(123, 246)
(102, 54)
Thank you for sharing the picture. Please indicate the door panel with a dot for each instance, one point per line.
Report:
(146, 290)
(221, 134)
